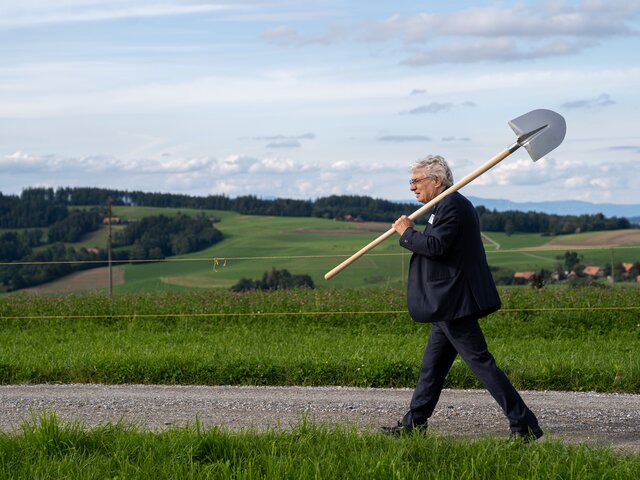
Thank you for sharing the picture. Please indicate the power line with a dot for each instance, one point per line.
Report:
(287, 257)
(315, 313)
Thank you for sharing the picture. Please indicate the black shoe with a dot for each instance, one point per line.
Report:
(531, 436)
(400, 429)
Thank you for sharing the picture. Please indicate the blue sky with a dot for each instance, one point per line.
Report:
(302, 99)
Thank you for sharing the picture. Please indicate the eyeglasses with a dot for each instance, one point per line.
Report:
(415, 181)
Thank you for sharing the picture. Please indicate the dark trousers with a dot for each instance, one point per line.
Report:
(464, 337)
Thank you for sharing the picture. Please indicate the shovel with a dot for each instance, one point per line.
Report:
(539, 131)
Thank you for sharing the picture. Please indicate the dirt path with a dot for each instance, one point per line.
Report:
(605, 419)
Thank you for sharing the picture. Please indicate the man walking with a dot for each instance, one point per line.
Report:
(450, 285)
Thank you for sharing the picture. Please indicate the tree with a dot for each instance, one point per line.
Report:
(160, 236)
(537, 280)
(274, 280)
(509, 227)
(571, 259)
(244, 285)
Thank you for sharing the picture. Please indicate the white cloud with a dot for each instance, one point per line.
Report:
(225, 187)
(498, 49)
(170, 165)
(601, 101)
(287, 36)
(261, 89)
(26, 163)
(604, 182)
(578, 181)
(26, 14)
(236, 164)
(502, 33)
(288, 178)
(518, 171)
(535, 20)
(274, 165)
(559, 179)
(403, 138)
(112, 96)
(341, 165)
(433, 107)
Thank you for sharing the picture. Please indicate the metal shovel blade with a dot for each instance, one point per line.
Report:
(539, 131)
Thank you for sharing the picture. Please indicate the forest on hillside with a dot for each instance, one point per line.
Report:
(39, 228)
(41, 207)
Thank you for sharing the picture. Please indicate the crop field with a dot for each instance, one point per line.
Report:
(253, 245)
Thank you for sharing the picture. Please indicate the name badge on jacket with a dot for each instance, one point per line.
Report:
(432, 218)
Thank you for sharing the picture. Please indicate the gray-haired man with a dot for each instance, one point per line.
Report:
(450, 285)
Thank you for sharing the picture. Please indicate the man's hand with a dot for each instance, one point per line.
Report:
(401, 224)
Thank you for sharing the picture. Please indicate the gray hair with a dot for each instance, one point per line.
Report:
(435, 166)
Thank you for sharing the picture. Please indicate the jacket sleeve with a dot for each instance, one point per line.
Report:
(438, 237)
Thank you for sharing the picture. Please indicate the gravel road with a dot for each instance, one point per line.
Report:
(594, 418)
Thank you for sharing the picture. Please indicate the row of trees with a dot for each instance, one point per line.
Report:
(40, 207)
(47, 264)
(19, 244)
(152, 238)
(274, 280)
(35, 207)
(537, 222)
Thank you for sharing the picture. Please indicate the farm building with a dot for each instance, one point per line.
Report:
(593, 271)
(524, 275)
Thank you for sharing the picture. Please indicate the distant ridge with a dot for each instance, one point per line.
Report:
(560, 207)
(563, 207)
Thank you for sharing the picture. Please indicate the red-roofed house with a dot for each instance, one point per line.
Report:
(524, 275)
(593, 271)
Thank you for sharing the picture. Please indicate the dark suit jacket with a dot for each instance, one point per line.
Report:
(449, 277)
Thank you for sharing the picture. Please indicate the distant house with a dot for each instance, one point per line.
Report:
(593, 271)
(626, 269)
(105, 220)
(638, 279)
(92, 251)
(526, 276)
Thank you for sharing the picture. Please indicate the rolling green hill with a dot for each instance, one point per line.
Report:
(255, 244)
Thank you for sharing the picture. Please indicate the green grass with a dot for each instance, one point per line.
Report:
(255, 244)
(311, 337)
(48, 448)
(551, 339)
(516, 240)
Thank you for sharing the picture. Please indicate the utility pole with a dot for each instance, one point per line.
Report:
(109, 251)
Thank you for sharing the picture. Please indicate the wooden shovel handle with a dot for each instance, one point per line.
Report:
(423, 209)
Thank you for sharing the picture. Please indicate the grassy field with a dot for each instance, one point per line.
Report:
(550, 339)
(253, 245)
(580, 339)
(46, 448)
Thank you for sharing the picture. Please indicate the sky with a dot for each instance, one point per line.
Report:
(309, 98)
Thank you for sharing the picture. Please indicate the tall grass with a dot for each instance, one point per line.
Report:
(582, 339)
(47, 448)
